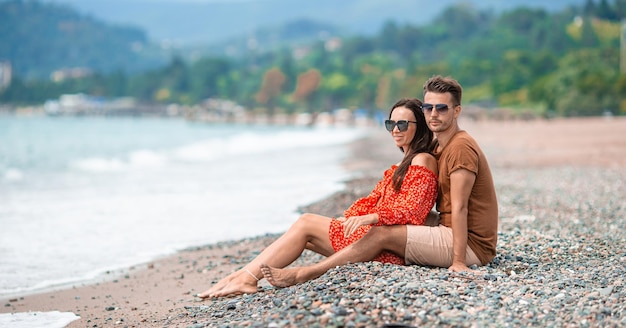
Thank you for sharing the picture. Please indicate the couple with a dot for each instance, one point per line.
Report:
(387, 225)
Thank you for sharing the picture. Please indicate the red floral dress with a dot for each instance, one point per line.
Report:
(410, 205)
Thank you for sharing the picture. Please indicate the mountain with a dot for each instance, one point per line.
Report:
(43, 36)
(39, 38)
(185, 22)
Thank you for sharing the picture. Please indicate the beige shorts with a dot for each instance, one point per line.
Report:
(432, 246)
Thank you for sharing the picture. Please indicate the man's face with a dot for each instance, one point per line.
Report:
(439, 117)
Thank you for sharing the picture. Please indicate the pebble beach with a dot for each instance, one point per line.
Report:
(561, 258)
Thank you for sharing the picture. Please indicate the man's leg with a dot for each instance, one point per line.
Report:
(432, 246)
(377, 240)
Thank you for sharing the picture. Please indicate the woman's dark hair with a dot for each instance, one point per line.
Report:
(422, 140)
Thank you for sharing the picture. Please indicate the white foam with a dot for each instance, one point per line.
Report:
(98, 164)
(13, 175)
(51, 319)
(136, 160)
(146, 158)
(218, 148)
(253, 143)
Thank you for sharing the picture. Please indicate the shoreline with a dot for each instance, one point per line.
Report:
(119, 202)
(160, 294)
(47, 298)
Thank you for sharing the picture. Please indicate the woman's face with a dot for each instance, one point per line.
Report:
(403, 138)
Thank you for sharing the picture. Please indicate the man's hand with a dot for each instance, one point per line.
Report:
(460, 267)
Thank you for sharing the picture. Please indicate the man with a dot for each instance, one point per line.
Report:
(467, 233)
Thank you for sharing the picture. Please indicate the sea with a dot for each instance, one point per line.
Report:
(83, 196)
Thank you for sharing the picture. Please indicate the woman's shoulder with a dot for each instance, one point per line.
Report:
(425, 160)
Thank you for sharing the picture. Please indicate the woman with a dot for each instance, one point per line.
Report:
(405, 195)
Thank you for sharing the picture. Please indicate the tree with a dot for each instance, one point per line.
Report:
(588, 37)
(371, 69)
(583, 85)
(334, 88)
(620, 9)
(271, 88)
(589, 8)
(604, 11)
(211, 78)
(462, 20)
(307, 85)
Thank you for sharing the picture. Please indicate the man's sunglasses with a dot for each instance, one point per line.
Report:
(402, 125)
(441, 108)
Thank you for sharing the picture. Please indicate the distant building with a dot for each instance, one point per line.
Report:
(333, 44)
(72, 104)
(70, 73)
(5, 74)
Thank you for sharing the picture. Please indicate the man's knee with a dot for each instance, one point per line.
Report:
(388, 238)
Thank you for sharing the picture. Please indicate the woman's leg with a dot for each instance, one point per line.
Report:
(376, 240)
(310, 231)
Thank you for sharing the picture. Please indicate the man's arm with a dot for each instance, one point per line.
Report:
(461, 183)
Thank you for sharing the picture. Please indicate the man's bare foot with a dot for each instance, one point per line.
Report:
(236, 283)
(280, 277)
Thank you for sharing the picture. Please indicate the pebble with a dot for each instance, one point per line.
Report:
(561, 262)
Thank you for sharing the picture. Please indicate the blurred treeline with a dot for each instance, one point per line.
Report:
(530, 61)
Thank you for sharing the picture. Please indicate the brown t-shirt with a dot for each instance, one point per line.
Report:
(462, 152)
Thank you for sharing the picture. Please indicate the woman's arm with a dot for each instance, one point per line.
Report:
(365, 205)
(417, 196)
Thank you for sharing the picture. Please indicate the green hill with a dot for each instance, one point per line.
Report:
(525, 60)
(39, 38)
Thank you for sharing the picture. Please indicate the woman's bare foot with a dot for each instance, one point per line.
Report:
(237, 283)
(280, 277)
(220, 284)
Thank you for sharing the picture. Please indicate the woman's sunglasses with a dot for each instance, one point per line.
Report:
(402, 125)
(440, 108)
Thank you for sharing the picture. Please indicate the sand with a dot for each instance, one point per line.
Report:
(156, 293)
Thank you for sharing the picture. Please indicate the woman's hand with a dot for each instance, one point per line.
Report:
(354, 222)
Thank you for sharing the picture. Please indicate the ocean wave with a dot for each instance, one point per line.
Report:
(256, 143)
(96, 164)
(218, 148)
